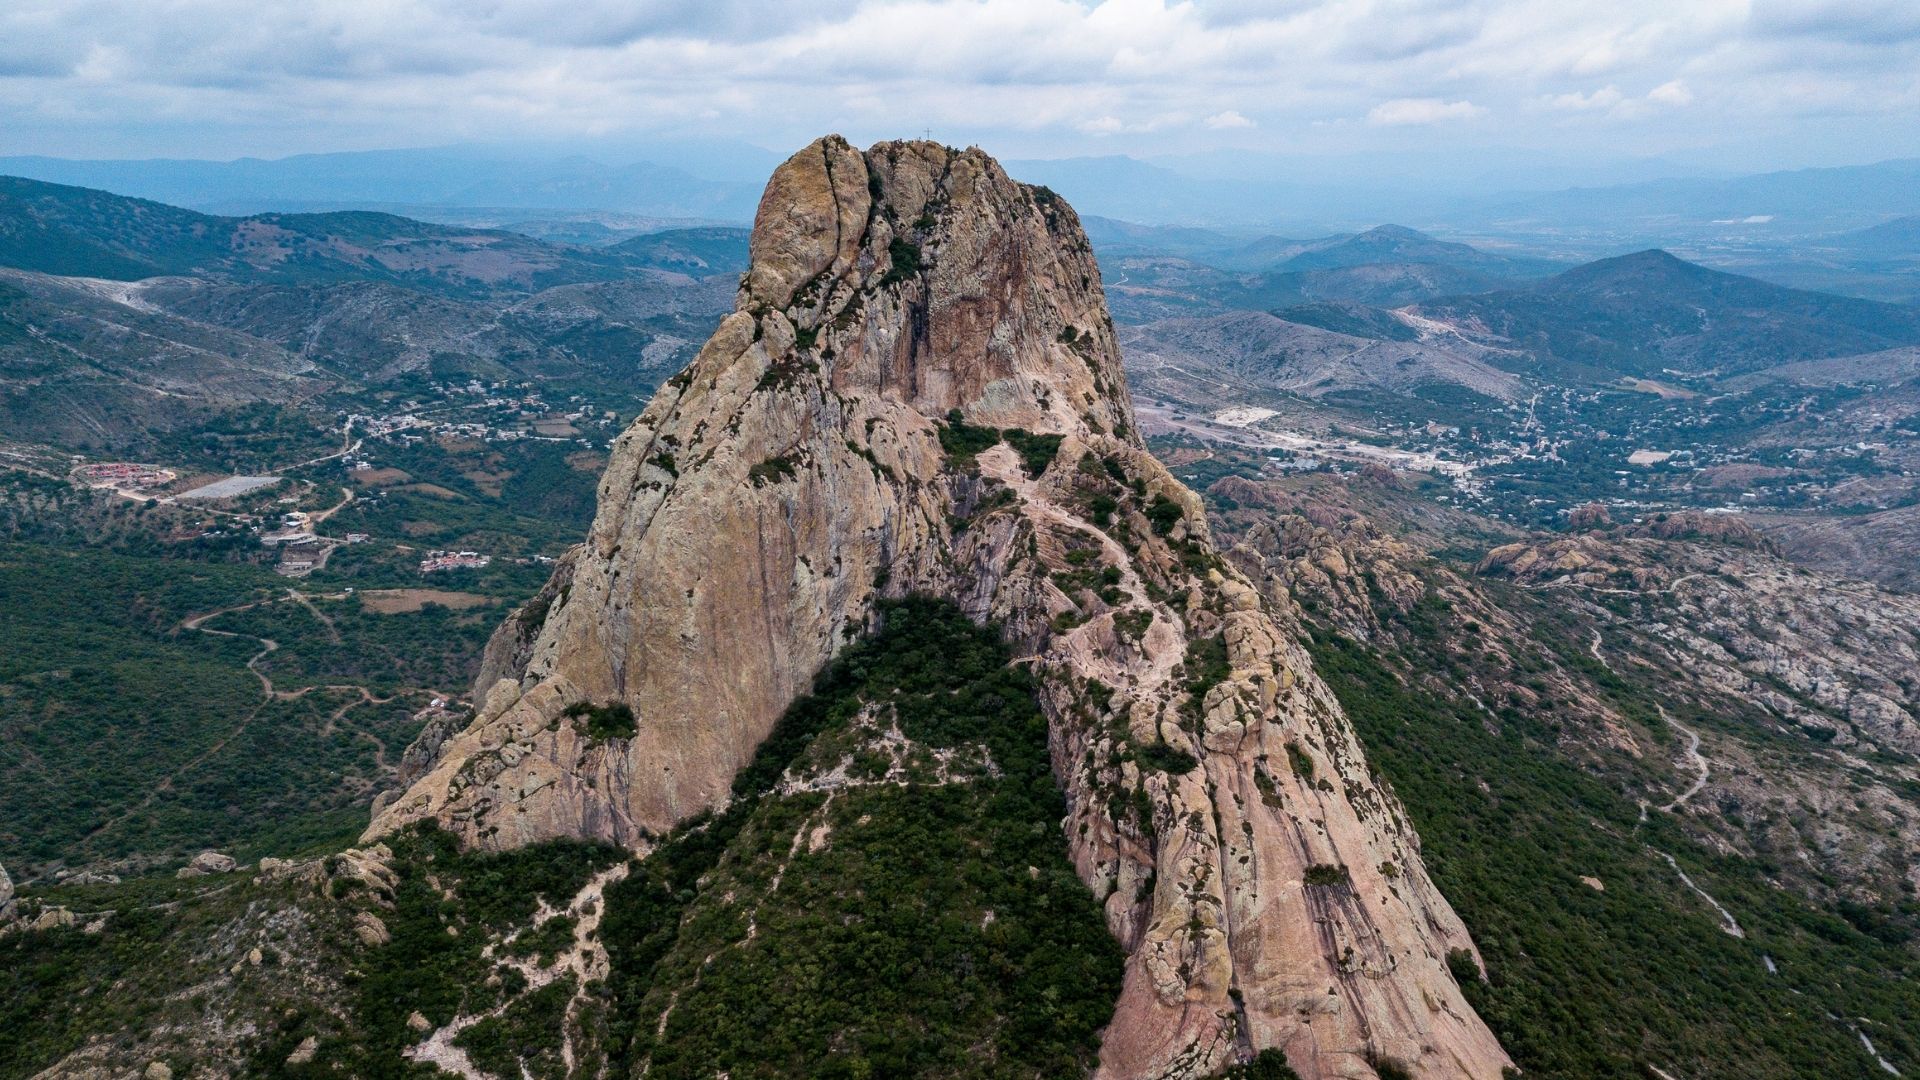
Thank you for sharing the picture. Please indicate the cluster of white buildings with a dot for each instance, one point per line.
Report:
(452, 560)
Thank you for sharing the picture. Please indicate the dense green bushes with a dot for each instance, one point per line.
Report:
(1602, 984)
(905, 261)
(963, 442)
(122, 733)
(935, 930)
(603, 722)
(1266, 1065)
(1165, 757)
(442, 975)
(1036, 451)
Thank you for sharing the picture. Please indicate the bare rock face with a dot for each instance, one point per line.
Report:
(208, 862)
(1267, 888)
(6, 897)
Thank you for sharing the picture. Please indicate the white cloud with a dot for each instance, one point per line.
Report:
(1403, 111)
(1050, 77)
(1671, 93)
(1604, 98)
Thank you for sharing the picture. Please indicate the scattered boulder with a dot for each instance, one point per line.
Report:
(87, 877)
(1592, 515)
(157, 1070)
(1730, 529)
(53, 918)
(370, 930)
(304, 1052)
(368, 868)
(1383, 476)
(209, 862)
(418, 1022)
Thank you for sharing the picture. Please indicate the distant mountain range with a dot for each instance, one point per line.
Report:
(123, 318)
(1392, 339)
(79, 232)
(1649, 312)
(1158, 271)
(1803, 202)
(408, 178)
(719, 183)
(262, 306)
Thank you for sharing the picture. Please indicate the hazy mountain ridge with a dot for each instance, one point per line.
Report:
(1644, 313)
(80, 232)
(83, 361)
(1262, 350)
(470, 176)
(179, 315)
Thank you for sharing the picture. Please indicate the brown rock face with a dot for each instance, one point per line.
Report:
(1268, 890)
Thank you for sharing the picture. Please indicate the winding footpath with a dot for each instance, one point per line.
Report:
(269, 693)
(1694, 758)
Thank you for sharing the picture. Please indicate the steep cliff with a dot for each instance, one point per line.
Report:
(919, 391)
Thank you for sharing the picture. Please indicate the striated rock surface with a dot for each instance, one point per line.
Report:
(1777, 704)
(1835, 657)
(920, 391)
(208, 862)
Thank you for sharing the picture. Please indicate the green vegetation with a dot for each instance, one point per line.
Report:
(122, 732)
(1602, 984)
(154, 938)
(773, 470)
(963, 442)
(126, 734)
(1326, 874)
(603, 722)
(905, 261)
(528, 497)
(528, 1034)
(337, 641)
(957, 893)
(1164, 757)
(1206, 667)
(1036, 451)
(440, 974)
(1266, 1065)
(1299, 762)
(1164, 514)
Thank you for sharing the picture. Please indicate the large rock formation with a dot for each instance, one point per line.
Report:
(835, 442)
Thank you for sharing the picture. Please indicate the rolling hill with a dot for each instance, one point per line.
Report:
(123, 319)
(1649, 312)
(81, 232)
(1242, 352)
(698, 252)
(1384, 244)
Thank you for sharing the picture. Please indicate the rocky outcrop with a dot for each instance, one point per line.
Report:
(920, 392)
(208, 862)
(1838, 658)
(7, 903)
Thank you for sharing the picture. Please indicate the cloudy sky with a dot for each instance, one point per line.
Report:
(1712, 84)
